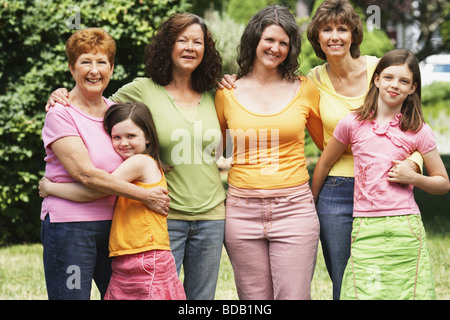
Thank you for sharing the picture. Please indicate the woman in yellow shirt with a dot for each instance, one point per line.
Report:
(272, 229)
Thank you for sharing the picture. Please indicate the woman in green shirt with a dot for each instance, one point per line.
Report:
(182, 65)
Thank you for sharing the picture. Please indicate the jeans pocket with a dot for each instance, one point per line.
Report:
(298, 198)
(335, 181)
(232, 200)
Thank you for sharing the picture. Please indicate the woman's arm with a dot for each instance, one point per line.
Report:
(332, 152)
(137, 167)
(74, 156)
(73, 191)
(436, 182)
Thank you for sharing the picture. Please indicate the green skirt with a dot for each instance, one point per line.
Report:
(389, 260)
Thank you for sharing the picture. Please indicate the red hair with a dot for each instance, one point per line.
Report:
(87, 40)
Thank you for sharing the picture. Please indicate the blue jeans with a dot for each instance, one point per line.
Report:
(197, 245)
(335, 211)
(75, 253)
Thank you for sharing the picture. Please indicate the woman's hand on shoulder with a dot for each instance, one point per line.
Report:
(60, 95)
(228, 81)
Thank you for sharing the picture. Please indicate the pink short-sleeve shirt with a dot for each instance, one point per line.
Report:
(374, 149)
(62, 122)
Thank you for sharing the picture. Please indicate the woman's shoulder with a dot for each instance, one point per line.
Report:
(59, 110)
(223, 93)
(141, 82)
(314, 73)
(309, 86)
(144, 81)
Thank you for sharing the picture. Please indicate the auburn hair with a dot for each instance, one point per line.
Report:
(87, 40)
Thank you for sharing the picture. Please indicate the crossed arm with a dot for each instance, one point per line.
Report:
(74, 156)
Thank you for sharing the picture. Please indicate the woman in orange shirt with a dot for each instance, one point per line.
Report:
(272, 229)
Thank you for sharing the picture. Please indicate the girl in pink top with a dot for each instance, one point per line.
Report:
(389, 257)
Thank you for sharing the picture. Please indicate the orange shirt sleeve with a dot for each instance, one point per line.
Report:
(314, 123)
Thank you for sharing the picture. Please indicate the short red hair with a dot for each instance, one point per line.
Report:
(87, 40)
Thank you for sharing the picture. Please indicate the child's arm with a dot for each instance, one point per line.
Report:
(436, 182)
(332, 152)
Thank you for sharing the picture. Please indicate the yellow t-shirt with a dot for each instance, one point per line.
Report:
(135, 228)
(268, 149)
(333, 107)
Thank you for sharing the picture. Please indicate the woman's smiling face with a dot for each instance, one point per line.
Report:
(335, 39)
(92, 72)
(273, 47)
(189, 48)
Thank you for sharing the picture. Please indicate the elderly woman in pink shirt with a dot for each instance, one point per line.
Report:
(75, 235)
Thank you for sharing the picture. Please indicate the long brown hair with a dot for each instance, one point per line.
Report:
(412, 116)
(140, 114)
(271, 15)
(158, 62)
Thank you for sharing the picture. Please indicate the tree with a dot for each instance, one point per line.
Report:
(242, 11)
(430, 16)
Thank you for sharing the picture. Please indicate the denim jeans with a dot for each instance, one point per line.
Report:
(335, 211)
(197, 246)
(75, 253)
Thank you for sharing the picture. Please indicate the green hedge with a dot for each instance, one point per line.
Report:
(33, 64)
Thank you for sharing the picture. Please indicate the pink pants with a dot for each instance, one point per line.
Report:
(149, 275)
(272, 244)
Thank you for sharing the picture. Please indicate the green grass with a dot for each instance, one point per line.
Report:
(22, 276)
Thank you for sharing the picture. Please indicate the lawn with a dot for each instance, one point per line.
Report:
(22, 278)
